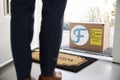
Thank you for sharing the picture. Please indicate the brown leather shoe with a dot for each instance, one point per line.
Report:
(30, 78)
(56, 76)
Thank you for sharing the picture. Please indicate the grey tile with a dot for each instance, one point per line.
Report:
(100, 70)
(8, 72)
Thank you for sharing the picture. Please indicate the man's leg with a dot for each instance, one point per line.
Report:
(50, 35)
(22, 20)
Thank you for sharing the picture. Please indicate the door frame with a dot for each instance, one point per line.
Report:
(116, 42)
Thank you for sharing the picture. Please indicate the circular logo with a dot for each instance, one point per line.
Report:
(79, 35)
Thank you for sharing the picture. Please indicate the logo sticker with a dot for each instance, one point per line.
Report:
(79, 35)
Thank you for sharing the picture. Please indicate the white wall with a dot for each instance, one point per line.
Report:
(35, 41)
(5, 50)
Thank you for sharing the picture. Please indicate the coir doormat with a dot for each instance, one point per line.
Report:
(68, 61)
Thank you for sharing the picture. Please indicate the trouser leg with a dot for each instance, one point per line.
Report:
(50, 35)
(21, 35)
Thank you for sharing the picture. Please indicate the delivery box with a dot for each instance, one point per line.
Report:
(89, 36)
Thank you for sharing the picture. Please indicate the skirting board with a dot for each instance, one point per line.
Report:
(6, 62)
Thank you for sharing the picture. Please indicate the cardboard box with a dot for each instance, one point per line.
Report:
(89, 36)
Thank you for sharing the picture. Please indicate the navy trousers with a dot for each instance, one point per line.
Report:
(22, 21)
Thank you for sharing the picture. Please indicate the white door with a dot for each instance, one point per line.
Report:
(5, 50)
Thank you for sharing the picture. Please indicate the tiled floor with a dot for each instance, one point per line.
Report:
(100, 70)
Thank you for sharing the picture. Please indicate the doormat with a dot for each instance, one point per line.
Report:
(68, 61)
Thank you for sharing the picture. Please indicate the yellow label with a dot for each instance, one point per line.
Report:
(96, 37)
